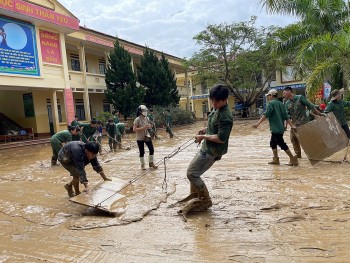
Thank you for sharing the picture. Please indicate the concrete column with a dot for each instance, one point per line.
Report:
(86, 91)
(64, 61)
(209, 104)
(132, 64)
(188, 91)
(191, 94)
(55, 111)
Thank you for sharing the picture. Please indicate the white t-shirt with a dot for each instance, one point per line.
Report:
(139, 122)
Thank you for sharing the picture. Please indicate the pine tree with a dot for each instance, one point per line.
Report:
(174, 97)
(122, 91)
(159, 82)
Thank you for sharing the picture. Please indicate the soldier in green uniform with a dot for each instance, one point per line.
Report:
(297, 106)
(215, 144)
(152, 121)
(88, 130)
(112, 135)
(276, 113)
(116, 117)
(120, 131)
(336, 105)
(75, 123)
(169, 123)
(58, 139)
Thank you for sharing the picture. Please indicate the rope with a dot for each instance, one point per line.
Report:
(172, 154)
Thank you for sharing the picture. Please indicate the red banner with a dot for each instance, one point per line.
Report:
(50, 47)
(69, 102)
(22, 7)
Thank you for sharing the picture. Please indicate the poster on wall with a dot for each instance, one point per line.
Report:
(18, 53)
(28, 105)
(50, 47)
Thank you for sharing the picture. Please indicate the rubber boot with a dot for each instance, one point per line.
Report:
(69, 189)
(275, 159)
(298, 155)
(142, 160)
(293, 160)
(151, 163)
(115, 147)
(53, 161)
(203, 202)
(76, 188)
(193, 194)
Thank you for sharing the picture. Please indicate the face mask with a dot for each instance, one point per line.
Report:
(144, 113)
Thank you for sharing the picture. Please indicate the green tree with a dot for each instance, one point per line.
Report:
(170, 82)
(319, 43)
(238, 55)
(122, 90)
(157, 79)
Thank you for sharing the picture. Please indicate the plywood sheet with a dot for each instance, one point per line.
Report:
(321, 138)
(102, 196)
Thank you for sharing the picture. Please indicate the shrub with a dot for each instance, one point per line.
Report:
(179, 116)
(103, 117)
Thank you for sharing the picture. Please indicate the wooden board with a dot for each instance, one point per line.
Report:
(322, 137)
(102, 196)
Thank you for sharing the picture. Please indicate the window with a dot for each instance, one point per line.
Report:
(74, 62)
(102, 66)
(106, 106)
(79, 109)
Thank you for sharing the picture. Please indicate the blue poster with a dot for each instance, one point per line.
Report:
(18, 53)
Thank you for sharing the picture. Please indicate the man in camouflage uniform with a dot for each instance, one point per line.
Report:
(112, 135)
(120, 131)
(336, 106)
(296, 107)
(169, 123)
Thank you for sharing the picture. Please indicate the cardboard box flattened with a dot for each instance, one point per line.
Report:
(321, 138)
(102, 196)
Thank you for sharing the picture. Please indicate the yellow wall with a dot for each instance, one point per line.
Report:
(11, 104)
(96, 102)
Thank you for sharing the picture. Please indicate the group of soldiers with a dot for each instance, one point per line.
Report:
(296, 111)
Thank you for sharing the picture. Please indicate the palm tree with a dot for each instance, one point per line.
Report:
(319, 43)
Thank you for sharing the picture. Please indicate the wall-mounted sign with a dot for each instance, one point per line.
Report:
(18, 53)
(25, 8)
(50, 47)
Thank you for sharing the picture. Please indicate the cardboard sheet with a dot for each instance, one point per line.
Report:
(321, 138)
(102, 196)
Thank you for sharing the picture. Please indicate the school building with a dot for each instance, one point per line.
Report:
(51, 68)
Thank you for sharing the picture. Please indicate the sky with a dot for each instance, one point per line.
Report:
(167, 25)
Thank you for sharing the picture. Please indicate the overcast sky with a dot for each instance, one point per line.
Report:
(166, 25)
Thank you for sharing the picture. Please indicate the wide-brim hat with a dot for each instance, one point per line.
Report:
(272, 92)
(337, 93)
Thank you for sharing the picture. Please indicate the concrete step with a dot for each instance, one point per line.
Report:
(23, 143)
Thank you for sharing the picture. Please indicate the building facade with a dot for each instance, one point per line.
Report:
(51, 68)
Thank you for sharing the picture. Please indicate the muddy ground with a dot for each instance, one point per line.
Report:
(260, 213)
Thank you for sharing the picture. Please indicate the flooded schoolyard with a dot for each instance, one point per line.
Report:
(260, 212)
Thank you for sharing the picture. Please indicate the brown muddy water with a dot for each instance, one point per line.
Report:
(260, 212)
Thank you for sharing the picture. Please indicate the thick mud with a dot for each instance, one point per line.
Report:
(260, 212)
